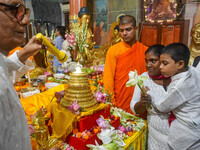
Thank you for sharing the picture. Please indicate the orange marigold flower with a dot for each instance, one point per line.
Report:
(130, 133)
(86, 137)
(79, 135)
(75, 131)
(96, 130)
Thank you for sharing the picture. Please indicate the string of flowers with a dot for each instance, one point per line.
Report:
(80, 35)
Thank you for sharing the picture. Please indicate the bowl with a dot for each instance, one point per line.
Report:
(50, 85)
(20, 82)
(59, 75)
(42, 77)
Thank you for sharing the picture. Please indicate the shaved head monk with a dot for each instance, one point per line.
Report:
(126, 56)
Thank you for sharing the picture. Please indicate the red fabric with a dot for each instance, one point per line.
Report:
(80, 143)
(171, 118)
(115, 123)
(159, 77)
(131, 60)
(90, 121)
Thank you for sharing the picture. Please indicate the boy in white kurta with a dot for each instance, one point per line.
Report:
(183, 97)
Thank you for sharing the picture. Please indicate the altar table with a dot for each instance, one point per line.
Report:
(137, 141)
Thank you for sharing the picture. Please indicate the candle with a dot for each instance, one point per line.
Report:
(29, 79)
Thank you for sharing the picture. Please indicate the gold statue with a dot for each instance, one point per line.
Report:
(195, 43)
(84, 17)
(42, 133)
(113, 25)
(116, 38)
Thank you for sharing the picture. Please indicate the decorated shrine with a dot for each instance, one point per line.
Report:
(70, 95)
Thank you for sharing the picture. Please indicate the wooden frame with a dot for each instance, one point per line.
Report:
(183, 34)
(160, 10)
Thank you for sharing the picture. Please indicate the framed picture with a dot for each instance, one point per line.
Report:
(160, 10)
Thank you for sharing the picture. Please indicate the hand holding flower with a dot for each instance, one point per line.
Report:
(135, 79)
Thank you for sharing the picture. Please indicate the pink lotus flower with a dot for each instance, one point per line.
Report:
(74, 108)
(102, 123)
(122, 128)
(100, 97)
(59, 95)
(69, 148)
(66, 71)
(70, 44)
(31, 129)
(47, 73)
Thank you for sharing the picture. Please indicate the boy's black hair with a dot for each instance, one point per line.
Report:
(155, 49)
(177, 51)
(62, 30)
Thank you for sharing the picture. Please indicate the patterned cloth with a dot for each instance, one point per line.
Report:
(183, 98)
(158, 126)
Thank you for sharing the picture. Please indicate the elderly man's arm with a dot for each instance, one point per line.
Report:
(19, 63)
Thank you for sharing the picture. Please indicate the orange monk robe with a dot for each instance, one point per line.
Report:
(120, 60)
(18, 48)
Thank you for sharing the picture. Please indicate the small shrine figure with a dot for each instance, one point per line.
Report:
(84, 18)
(42, 133)
(116, 38)
(195, 45)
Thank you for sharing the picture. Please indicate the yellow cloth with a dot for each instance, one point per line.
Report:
(90, 112)
(33, 103)
(138, 141)
(65, 121)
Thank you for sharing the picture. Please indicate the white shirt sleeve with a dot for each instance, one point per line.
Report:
(171, 100)
(16, 65)
(136, 98)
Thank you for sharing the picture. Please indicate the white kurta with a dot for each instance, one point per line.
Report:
(183, 99)
(14, 132)
(158, 126)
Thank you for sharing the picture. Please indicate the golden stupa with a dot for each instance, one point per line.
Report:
(78, 90)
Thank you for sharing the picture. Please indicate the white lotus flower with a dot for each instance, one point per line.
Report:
(135, 79)
(106, 135)
(96, 147)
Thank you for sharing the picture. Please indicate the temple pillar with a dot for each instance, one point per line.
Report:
(75, 6)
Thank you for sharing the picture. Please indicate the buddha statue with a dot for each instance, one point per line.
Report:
(42, 133)
(113, 25)
(195, 43)
(116, 38)
(84, 18)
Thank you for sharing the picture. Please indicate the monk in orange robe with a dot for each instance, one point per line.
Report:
(122, 58)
